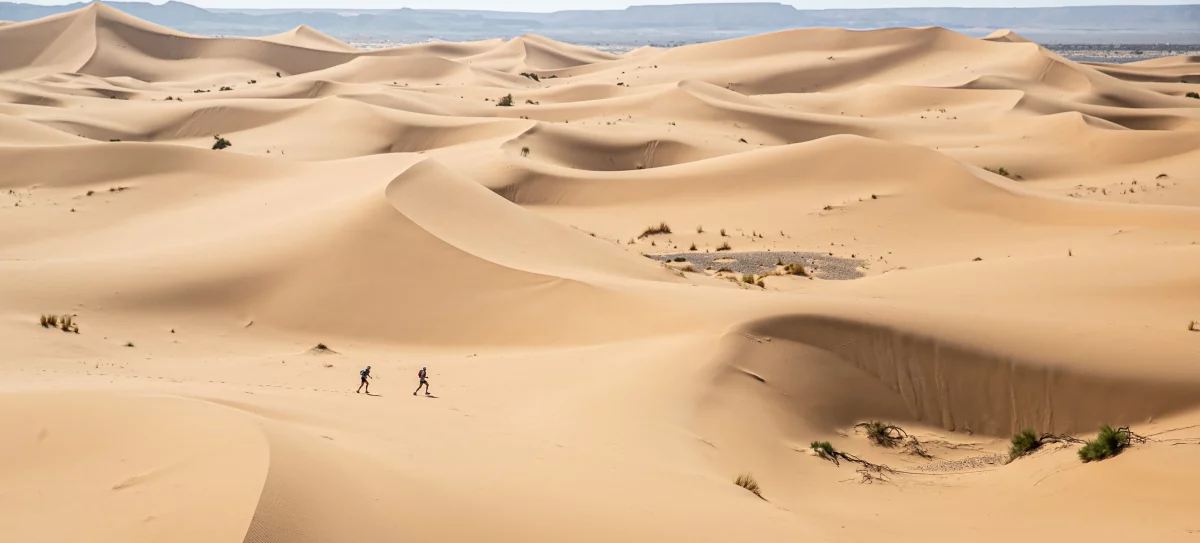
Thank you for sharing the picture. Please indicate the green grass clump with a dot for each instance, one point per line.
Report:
(824, 449)
(748, 278)
(662, 228)
(1107, 444)
(724, 247)
(882, 434)
(505, 102)
(221, 143)
(747, 482)
(1023, 443)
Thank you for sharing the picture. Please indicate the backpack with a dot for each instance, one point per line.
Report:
(362, 373)
(421, 374)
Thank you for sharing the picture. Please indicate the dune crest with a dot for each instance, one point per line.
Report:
(633, 279)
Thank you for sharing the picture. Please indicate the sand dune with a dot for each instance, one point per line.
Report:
(997, 238)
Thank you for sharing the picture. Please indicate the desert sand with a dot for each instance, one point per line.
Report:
(998, 238)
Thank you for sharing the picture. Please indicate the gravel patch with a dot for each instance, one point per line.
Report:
(966, 464)
(819, 265)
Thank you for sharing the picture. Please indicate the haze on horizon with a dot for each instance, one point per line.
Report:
(553, 5)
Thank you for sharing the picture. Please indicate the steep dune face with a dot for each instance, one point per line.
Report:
(632, 278)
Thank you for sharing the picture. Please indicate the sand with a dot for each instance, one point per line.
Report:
(1013, 234)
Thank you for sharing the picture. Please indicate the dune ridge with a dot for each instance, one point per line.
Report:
(237, 226)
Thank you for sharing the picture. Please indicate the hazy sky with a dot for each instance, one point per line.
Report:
(555, 5)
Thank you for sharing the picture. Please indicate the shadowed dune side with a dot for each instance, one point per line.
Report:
(578, 148)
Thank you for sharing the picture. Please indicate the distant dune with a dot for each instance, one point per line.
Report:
(633, 279)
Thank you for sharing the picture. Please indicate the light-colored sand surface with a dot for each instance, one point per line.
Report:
(382, 203)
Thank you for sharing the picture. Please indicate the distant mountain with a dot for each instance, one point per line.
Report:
(663, 24)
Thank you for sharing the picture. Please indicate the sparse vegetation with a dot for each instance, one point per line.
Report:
(1192, 95)
(870, 472)
(505, 102)
(1107, 444)
(724, 270)
(221, 143)
(532, 76)
(700, 229)
(49, 321)
(277, 74)
(129, 344)
(321, 347)
(748, 278)
(796, 269)
(91, 192)
(723, 232)
(531, 102)
(999, 171)
(252, 82)
(747, 482)
(693, 248)
(1023, 443)
(890, 436)
(1194, 326)
(223, 89)
(662, 228)
(824, 449)
(688, 268)
(724, 247)
(524, 151)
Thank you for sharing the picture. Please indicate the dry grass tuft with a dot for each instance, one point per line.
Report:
(662, 228)
(747, 482)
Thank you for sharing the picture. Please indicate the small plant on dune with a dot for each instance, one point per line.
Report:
(277, 74)
(722, 232)
(725, 270)
(999, 171)
(688, 268)
(1194, 326)
(796, 269)
(824, 449)
(49, 321)
(129, 344)
(760, 284)
(531, 102)
(884, 435)
(252, 82)
(221, 143)
(747, 482)
(524, 151)
(693, 248)
(1023, 443)
(505, 102)
(1107, 444)
(700, 229)
(748, 278)
(662, 228)
(531, 76)
(223, 89)
(1192, 95)
(724, 247)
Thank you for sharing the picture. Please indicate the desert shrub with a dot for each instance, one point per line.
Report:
(824, 449)
(221, 143)
(722, 232)
(49, 321)
(796, 269)
(747, 482)
(1194, 326)
(321, 347)
(1107, 444)
(884, 435)
(531, 76)
(226, 89)
(748, 278)
(742, 140)
(531, 102)
(688, 268)
(700, 229)
(693, 248)
(1192, 95)
(524, 151)
(662, 228)
(679, 259)
(277, 74)
(114, 141)
(129, 344)
(760, 284)
(505, 102)
(1023, 443)
(724, 270)
(724, 247)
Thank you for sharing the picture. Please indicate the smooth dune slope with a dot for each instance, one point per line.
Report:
(632, 279)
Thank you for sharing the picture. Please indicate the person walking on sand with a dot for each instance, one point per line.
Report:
(364, 374)
(422, 375)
